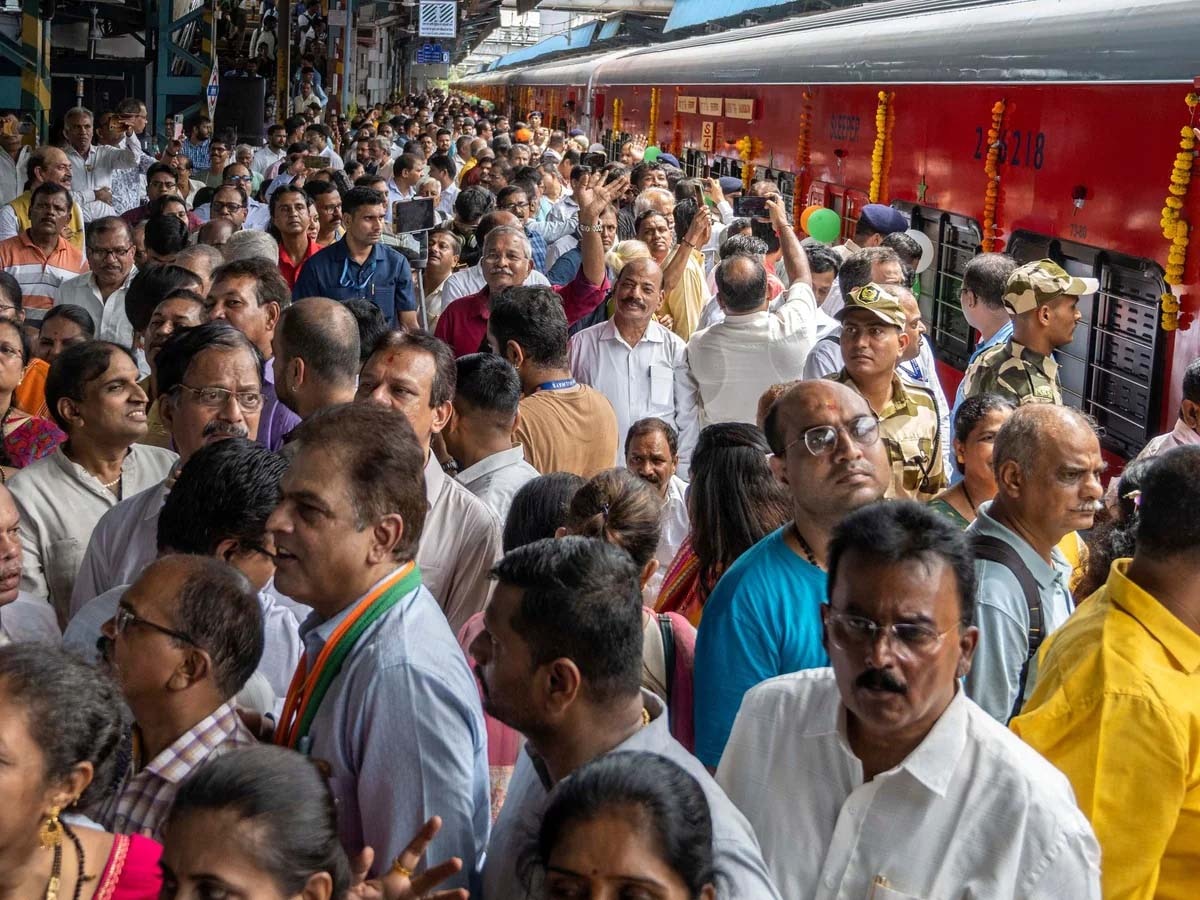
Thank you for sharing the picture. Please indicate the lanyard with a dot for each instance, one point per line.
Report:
(561, 385)
(308, 689)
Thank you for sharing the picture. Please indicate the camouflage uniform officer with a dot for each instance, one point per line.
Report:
(1043, 300)
(873, 340)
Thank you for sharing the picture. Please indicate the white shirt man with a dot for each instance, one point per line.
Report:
(108, 313)
(12, 174)
(649, 379)
(733, 362)
(971, 812)
(469, 281)
(95, 171)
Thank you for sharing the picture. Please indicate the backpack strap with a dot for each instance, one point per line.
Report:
(667, 632)
(1002, 553)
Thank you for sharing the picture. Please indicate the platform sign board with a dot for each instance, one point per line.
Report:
(706, 137)
(685, 104)
(432, 55)
(214, 88)
(710, 106)
(438, 18)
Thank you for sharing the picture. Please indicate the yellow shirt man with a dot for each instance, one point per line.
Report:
(1117, 709)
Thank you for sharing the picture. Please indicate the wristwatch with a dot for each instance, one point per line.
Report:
(596, 229)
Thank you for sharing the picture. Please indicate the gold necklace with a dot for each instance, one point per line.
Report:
(645, 717)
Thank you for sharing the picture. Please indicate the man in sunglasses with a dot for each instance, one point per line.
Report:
(762, 619)
(179, 667)
(880, 777)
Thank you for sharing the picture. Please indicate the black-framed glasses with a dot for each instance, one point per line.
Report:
(821, 440)
(849, 632)
(126, 617)
(216, 397)
(227, 207)
(515, 207)
(164, 185)
(109, 252)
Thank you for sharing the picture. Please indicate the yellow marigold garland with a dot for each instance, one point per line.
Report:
(881, 155)
(748, 148)
(652, 128)
(616, 122)
(677, 128)
(991, 168)
(803, 156)
(1174, 227)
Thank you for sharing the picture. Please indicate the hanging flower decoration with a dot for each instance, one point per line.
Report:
(748, 148)
(652, 127)
(888, 145)
(991, 167)
(616, 122)
(803, 156)
(881, 155)
(1174, 227)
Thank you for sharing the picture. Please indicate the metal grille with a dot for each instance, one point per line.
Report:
(1112, 369)
(955, 240)
(612, 141)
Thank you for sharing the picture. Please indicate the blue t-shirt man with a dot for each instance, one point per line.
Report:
(762, 619)
(384, 278)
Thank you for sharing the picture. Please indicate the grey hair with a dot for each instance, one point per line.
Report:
(250, 244)
(508, 231)
(79, 111)
(1031, 430)
(242, 147)
(207, 252)
(645, 199)
(427, 180)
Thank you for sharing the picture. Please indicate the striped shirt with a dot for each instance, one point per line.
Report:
(141, 804)
(40, 275)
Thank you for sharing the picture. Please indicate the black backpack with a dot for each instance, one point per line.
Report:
(995, 550)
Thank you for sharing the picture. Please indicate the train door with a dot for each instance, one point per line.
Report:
(844, 201)
(955, 240)
(1113, 367)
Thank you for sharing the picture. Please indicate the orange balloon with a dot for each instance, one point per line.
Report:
(808, 211)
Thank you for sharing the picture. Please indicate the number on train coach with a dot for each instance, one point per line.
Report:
(1017, 147)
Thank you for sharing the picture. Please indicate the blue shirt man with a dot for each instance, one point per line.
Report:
(359, 266)
(762, 619)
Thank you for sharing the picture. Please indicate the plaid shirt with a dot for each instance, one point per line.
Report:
(198, 154)
(141, 803)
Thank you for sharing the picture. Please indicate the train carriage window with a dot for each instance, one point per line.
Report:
(955, 240)
(1112, 369)
(695, 163)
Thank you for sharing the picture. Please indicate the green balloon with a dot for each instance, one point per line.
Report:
(825, 226)
(651, 154)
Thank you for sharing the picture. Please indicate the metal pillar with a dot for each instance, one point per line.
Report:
(182, 93)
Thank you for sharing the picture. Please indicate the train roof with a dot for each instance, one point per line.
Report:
(915, 41)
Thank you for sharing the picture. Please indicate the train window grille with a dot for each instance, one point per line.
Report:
(1113, 367)
(612, 141)
(955, 240)
(695, 163)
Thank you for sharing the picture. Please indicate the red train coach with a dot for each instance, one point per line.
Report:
(1038, 127)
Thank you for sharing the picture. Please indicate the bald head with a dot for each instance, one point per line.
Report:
(1036, 433)
(913, 326)
(201, 260)
(843, 473)
(742, 285)
(324, 334)
(641, 268)
(494, 219)
(215, 232)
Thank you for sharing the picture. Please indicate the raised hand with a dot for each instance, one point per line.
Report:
(399, 882)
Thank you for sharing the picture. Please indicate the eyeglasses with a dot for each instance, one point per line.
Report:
(126, 617)
(227, 207)
(217, 398)
(820, 440)
(234, 178)
(848, 632)
(164, 185)
(109, 252)
(515, 207)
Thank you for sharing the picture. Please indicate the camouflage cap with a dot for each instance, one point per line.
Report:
(876, 299)
(1037, 283)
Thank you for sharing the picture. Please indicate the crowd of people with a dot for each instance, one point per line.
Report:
(593, 542)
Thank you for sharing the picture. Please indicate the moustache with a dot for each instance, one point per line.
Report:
(217, 428)
(1090, 506)
(880, 680)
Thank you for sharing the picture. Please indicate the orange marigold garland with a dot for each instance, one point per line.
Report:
(748, 148)
(652, 127)
(991, 167)
(881, 156)
(884, 188)
(1174, 227)
(677, 127)
(803, 156)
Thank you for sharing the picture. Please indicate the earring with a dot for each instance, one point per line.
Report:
(50, 832)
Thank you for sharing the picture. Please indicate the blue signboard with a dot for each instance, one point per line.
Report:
(432, 55)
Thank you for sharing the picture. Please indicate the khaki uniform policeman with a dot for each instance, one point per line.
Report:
(908, 420)
(1013, 369)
